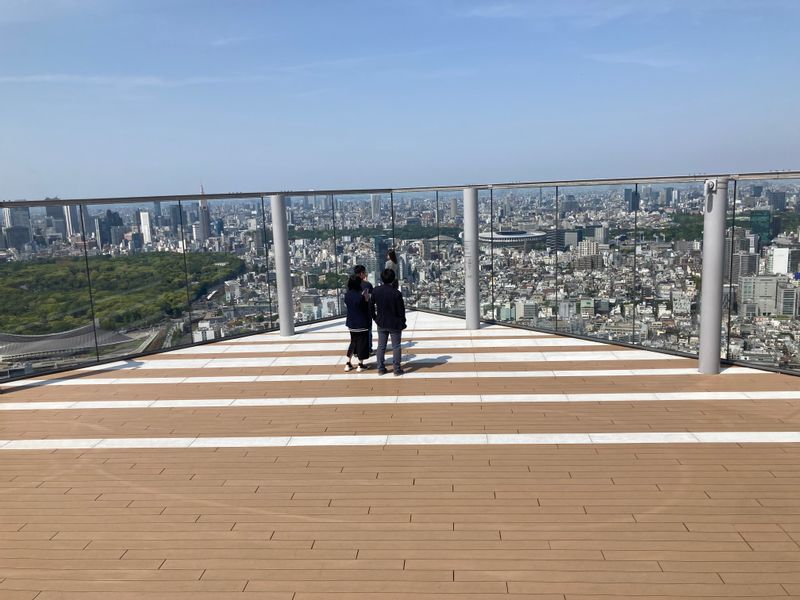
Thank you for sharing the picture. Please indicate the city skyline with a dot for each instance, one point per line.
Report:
(165, 97)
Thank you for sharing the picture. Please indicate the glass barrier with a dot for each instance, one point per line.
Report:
(451, 251)
(226, 268)
(669, 266)
(487, 225)
(316, 280)
(364, 237)
(416, 232)
(596, 266)
(137, 268)
(46, 317)
(765, 274)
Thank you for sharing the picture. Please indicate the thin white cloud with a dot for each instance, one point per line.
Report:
(125, 80)
(633, 58)
(222, 42)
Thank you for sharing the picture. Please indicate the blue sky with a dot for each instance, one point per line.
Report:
(124, 97)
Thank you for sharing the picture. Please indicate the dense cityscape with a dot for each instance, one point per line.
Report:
(613, 263)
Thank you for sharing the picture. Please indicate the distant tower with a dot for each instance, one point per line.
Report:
(145, 227)
(375, 200)
(204, 230)
(453, 209)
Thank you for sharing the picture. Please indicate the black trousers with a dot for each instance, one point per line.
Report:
(359, 345)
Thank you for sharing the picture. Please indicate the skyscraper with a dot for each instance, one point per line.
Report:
(453, 209)
(761, 225)
(375, 201)
(73, 218)
(144, 227)
(204, 218)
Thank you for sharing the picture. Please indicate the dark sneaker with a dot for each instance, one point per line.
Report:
(399, 372)
(381, 371)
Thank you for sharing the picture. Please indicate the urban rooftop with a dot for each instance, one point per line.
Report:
(600, 398)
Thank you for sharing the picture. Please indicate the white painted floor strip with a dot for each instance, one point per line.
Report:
(408, 357)
(457, 439)
(415, 399)
(370, 374)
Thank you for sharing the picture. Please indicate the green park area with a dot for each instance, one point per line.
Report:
(50, 296)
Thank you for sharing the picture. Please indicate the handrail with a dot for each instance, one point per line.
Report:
(750, 176)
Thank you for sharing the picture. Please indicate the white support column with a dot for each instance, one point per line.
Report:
(280, 241)
(471, 280)
(716, 208)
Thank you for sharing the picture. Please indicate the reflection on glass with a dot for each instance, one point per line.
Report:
(46, 318)
(596, 266)
(227, 268)
(764, 259)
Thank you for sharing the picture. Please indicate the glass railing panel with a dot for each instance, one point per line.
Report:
(138, 276)
(764, 321)
(227, 270)
(669, 266)
(46, 317)
(487, 224)
(315, 264)
(737, 252)
(525, 246)
(416, 231)
(596, 266)
(451, 250)
(364, 237)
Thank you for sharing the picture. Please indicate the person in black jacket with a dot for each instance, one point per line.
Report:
(358, 322)
(389, 313)
(366, 289)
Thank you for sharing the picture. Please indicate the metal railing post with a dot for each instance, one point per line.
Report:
(471, 280)
(283, 273)
(716, 208)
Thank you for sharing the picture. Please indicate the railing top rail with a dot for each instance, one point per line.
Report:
(752, 176)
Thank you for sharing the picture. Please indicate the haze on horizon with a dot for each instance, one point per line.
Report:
(130, 97)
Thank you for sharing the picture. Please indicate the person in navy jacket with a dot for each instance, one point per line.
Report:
(358, 322)
(389, 313)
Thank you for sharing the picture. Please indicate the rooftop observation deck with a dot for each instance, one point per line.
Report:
(504, 464)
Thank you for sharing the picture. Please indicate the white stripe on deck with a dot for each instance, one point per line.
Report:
(409, 359)
(430, 399)
(341, 345)
(457, 439)
(369, 375)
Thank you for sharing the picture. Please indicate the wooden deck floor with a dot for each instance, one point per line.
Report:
(259, 469)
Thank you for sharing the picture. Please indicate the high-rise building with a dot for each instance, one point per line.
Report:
(17, 217)
(156, 213)
(453, 209)
(73, 218)
(375, 203)
(144, 227)
(761, 225)
(631, 200)
(669, 196)
(757, 190)
(777, 201)
(744, 264)
(175, 218)
(204, 219)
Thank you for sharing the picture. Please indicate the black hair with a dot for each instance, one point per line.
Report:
(392, 256)
(358, 269)
(387, 276)
(354, 283)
